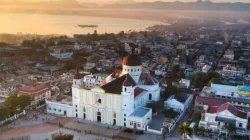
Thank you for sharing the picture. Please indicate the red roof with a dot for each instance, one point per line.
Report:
(138, 91)
(230, 108)
(211, 101)
(33, 89)
(36, 90)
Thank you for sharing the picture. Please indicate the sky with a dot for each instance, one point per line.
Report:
(110, 1)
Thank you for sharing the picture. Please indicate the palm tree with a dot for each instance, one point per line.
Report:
(184, 130)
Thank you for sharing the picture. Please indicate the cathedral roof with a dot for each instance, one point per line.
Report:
(132, 60)
(115, 86)
(129, 81)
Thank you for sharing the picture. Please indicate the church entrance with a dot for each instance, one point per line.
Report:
(99, 116)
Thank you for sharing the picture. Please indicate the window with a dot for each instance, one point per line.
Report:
(60, 110)
(131, 70)
(49, 108)
(84, 110)
(138, 125)
(124, 124)
(114, 115)
(76, 105)
(124, 115)
(124, 119)
(76, 115)
(125, 89)
(99, 101)
(150, 97)
(138, 69)
(240, 124)
(54, 109)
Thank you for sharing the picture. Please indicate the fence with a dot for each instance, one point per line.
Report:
(155, 131)
(13, 117)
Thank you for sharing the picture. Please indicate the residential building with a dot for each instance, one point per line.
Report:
(90, 81)
(60, 105)
(216, 118)
(37, 93)
(179, 102)
(61, 55)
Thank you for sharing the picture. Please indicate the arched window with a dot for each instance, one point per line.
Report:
(138, 69)
(114, 115)
(150, 97)
(84, 110)
(131, 70)
(125, 89)
(99, 101)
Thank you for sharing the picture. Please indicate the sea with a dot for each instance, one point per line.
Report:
(68, 24)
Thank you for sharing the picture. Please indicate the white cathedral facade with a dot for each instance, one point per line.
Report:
(122, 98)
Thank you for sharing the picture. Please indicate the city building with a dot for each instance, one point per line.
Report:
(216, 118)
(120, 101)
(179, 102)
(90, 81)
(61, 55)
(37, 93)
(60, 105)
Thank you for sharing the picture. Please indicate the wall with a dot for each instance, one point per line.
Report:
(154, 131)
(63, 107)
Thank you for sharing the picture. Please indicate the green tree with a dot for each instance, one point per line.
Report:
(93, 70)
(121, 33)
(196, 117)
(231, 128)
(212, 74)
(155, 106)
(170, 113)
(171, 90)
(64, 137)
(214, 81)
(184, 130)
(178, 72)
(23, 101)
(12, 104)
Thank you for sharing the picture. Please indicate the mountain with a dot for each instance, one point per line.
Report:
(199, 5)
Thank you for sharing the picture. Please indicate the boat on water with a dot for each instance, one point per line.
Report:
(87, 26)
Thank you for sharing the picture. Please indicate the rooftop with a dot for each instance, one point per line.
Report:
(140, 112)
(63, 99)
(230, 108)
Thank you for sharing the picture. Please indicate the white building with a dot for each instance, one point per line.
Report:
(90, 81)
(231, 71)
(215, 118)
(120, 101)
(60, 105)
(37, 93)
(184, 83)
(179, 103)
(117, 102)
(61, 55)
(206, 68)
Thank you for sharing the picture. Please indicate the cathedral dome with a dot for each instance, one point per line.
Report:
(132, 60)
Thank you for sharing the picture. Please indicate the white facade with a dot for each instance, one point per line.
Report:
(215, 118)
(90, 81)
(61, 55)
(59, 108)
(178, 106)
(184, 83)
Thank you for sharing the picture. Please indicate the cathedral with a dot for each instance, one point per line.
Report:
(121, 100)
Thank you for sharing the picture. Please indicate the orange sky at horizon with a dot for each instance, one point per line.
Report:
(111, 1)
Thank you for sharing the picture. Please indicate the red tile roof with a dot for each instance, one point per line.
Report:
(230, 108)
(138, 91)
(211, 101)
(36, 90)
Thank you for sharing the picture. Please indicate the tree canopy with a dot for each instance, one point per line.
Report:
(64, 137)
(184, 130)
(170, 113)
(201, 79)
(13, 104)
